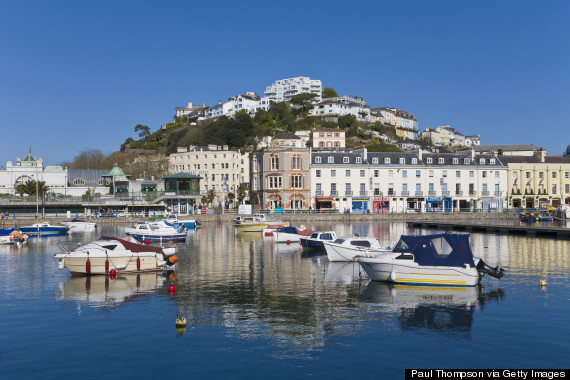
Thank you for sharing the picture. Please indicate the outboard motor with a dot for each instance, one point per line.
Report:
(496, 272)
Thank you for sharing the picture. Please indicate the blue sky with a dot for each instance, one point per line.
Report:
(77, 75)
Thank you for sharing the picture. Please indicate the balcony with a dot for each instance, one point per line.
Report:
(334, 193)
(348, 193)
(363, 193)
(485, 193)
(391, 192)
(431, 193)
(472, 192)
(498, 193)
(318, 193)
(419, 193)
(459, 193)
(405, 193)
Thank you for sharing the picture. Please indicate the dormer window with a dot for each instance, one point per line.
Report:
(414, 161)
(440, 160)
(402, 160)
(481, 161)
(358, 160)
(375, 160)
(455, 161)
(429, 160)
(317, 160)
(466, 161)
(345, 160)
(331, 160)
(492, 161)
(387, 160)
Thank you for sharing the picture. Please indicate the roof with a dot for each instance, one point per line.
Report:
(505, 147)
(520, 159)
(286, 136)
(557, 160)
(116, 172)
(438, 249)
(182, 176)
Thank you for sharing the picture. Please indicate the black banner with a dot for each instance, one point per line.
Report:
(525, 374)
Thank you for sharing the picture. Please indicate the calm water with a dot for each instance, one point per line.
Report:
(265, 311)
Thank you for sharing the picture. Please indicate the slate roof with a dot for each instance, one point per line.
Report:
(520, 159)
(286, 136)
(505, 147)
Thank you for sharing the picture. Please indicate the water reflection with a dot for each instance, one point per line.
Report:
(445, 310)
(104, 291)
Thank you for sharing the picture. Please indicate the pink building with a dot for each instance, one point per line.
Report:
(327, 138)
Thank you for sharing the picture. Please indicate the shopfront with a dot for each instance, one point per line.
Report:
(323, 203)
(381, 205)
(360, 205)
(440, 204)
(414, 204)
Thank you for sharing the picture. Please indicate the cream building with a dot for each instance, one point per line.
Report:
(222, 170)
(538, 180)
(284, 89)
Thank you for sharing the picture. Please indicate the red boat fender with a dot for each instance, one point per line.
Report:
(288, 242)
(171, 288)
(107, 265)
(88, 266)
(113, 274)
(138, 263)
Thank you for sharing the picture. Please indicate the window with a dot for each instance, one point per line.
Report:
(553, 174)
(402, 160)
(471, 189)
(274, 163)
(492, 161)
(322, 144)
(440, 160)
(362, 173)
(404, 189)
(430, 189)
(347, 173)
(497, 191)
(296, 182)
(375, 161)
(296, 163)
(348, 189)
(330, 160)
(333, 173)
(418, 174)
(391, 189)
(455, 161)
(336, 134)
(429, 160)
(554, 189)
(333, 188)
(362, 189)
(414, 161)
(418, 189)
(527, 175)
(376, 173)
(540, 175)
(496, 174)
(466, 161)
(78, 181)
(318, 173)
(317, 160)
(481, 161)
(213, 166)
(567, 175)
(471, 174)
(345, 160)
(485, 192)
(444, 173)
(430, 173)
(484, 174)
(274, 182)
(213, 177)
(457, 174)
(387, 160)
(390, 173)
(567, 188)
(404, 174)
(358, 160)
(318, 188)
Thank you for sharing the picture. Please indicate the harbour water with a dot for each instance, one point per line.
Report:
(256, 309)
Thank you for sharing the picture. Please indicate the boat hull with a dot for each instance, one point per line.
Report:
(81, 227)
(312, 243)
(284, 237)
(77, 266)
(338, 252)
(411, 273)
(44, 231)
(257, 227)
(151, 237)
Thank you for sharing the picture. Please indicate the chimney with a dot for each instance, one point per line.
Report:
(541, 154)
(500, 152)
(420, 154)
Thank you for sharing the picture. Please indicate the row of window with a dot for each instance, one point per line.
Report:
(101, 181)
(541, 175)
(541, 189)
(387, 160)
(318, 173)
(276, 182)
(392, 191)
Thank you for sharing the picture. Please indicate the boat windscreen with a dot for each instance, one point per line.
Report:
(401, 246)
(315, 235)
(338, 241)
(326, 236)
(360, 243)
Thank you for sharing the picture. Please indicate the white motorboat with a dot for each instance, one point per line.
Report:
(111, 253)
(439, 259)
(317, 239)
(157, 231)
(76, 225)
(350, 248)
(258, 223)
(291, 234)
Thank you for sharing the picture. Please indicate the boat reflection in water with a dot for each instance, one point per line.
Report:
(105, 291)
(445, 310)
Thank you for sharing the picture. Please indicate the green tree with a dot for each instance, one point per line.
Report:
(30, 187)
(231, 196)
(241, 193)
(142, 130)
(303, 101)
(329, 92)
(127, 143)
(210, 195)
(346, 121)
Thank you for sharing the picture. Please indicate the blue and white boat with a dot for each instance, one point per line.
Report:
(438, 259)
(7, 231)
(188, 223)
(317, 239)
(157, 231)
(44, 229)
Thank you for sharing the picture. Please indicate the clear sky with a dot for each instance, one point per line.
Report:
(76, 75)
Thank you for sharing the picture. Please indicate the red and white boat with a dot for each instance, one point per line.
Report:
(114, 254)
(291, 234)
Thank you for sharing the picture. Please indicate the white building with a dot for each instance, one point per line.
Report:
(189, 110)
(284, 89)
(249, 102)
(444, 135)
(222, 170)
(406, 182)
(334, 107)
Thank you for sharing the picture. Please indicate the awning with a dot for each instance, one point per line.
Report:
(324, 199)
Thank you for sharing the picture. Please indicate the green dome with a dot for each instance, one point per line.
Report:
(116, 172)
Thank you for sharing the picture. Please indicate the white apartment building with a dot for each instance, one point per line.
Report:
(284, 89)
(249, 101)
(407, 182)
(444, 135)
(221, 169)
(333, 107)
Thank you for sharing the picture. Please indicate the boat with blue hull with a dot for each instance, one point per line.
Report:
(44, 229)
(317, 239)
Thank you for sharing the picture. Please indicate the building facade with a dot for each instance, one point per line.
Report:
(222, 170)
(333, 107)
(280, 174)
(328, 138)
(284, 89)
(406, 124)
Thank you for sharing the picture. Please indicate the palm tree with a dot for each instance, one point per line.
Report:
(29, 187)
(231, 197)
